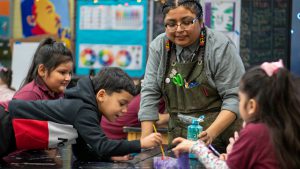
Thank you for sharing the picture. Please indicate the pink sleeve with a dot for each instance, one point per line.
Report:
(206, 157)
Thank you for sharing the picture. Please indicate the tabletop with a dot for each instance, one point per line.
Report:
(63, 159)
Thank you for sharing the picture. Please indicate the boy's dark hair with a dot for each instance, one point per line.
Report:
(6, 76)
(192, 5)
(49, 53)
(278, 100)
(113, 79)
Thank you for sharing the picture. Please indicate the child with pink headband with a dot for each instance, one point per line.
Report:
(269, 105)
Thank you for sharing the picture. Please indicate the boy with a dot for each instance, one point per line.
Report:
(53, 123)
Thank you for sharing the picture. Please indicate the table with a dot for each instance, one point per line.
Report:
(63, 158)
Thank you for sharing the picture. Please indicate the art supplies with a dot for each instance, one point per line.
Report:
(182, 162)
(161, 148)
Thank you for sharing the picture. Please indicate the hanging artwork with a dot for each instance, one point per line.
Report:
(4, 19)
(41, 17)
(224, 16)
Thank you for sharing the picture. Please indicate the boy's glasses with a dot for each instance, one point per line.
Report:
(185, 25)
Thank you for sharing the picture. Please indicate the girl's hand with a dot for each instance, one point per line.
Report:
(121, 158)
(206, 137)
(232, 140)
(153, 140)
(223, 157)
(183, 145)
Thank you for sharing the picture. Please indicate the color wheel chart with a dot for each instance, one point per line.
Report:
(98, 56)
(111, 33)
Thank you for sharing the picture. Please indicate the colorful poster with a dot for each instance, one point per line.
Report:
(128, 57)
(4, 19)
(111, 33)
(128, 17)
(111, 17)
(221, 15)
(46, 17)
(224, 16)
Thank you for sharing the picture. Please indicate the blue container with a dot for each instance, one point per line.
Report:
(193, 131)
(183, 161)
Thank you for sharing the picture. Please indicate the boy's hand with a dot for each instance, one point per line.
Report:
(122, 158)
(153, 140)
(183, 145)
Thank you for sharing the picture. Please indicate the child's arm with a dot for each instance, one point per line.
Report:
(232, 140)
(204, 155)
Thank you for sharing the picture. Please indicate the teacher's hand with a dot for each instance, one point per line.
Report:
(206, 137)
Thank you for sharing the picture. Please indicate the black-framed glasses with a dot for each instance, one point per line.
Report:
(185, 25)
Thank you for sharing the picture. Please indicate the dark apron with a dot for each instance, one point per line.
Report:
(192, 100)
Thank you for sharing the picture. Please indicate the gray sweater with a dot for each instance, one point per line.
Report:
(223, 67)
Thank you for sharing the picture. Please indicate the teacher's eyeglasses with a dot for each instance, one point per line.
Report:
(184, 24)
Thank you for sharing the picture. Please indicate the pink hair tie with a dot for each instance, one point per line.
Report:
(4, 69)
(271, 67)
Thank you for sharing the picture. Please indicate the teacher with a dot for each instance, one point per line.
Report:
(197, 71)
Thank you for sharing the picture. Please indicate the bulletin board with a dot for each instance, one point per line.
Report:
(4, 19)
(265, 31)
(111, 33)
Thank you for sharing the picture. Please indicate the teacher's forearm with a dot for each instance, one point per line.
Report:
(147, 128)
(224, 119)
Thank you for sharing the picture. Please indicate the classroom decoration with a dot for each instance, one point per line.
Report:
(4, 19)
(111, 33)
(41, 17)
(100, 55)
(118, 17)
(224, 16)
